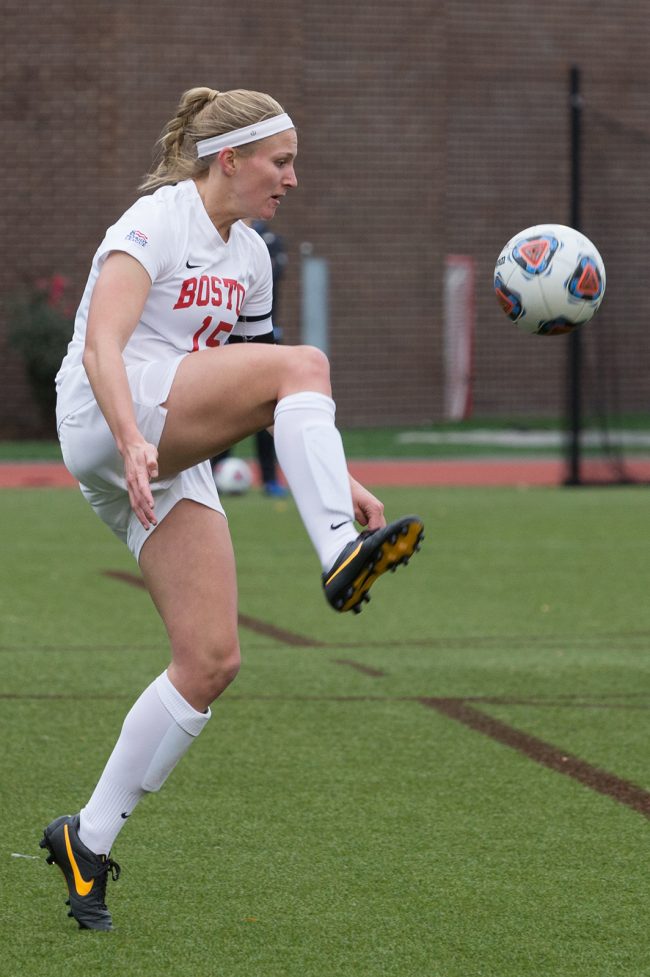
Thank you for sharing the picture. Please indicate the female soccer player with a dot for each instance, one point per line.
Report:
(150, 389)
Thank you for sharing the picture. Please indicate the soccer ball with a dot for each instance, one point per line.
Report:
(232, 476)
(549, 279)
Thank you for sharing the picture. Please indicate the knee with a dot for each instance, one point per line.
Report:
(206, 672)
(311, 367)
(221, 669)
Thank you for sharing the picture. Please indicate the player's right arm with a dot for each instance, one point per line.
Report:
(116, 305)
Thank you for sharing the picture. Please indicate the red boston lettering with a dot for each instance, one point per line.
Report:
(211, 290)
(187, 293)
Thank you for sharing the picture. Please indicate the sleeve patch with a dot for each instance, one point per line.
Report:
(138, 237)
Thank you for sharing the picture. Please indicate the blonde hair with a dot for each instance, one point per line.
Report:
(202, 113)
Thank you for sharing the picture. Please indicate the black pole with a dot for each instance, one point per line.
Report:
(574, 366)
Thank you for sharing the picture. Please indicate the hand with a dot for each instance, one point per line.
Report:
(140, 466)
(368, 510)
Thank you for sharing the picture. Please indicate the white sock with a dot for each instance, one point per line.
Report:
(310, 453)
(156, 733)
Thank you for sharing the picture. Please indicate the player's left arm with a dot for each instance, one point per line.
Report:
(368, 509)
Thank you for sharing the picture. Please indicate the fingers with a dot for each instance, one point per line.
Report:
(375, 518)
(368, 510)
(141, 499)
(140, 466)
(142, 504)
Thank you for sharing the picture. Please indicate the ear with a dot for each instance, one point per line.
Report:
(227, 160)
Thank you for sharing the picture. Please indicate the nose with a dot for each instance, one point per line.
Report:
(290, 178)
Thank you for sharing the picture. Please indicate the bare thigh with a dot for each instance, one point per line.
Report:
(222, 395)
(188, 566)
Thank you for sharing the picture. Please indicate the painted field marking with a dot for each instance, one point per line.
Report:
(245, 621)
(464, 711)
(360, 667)
(601, 781)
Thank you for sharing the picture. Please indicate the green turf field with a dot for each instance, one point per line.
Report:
(374, 796)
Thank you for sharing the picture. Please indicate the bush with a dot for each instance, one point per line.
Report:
(40, 327)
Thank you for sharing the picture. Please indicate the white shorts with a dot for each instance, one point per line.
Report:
(91, 455)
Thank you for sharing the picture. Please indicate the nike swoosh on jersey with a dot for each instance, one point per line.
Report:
(188, 265)
(339, 524)
(80, 884)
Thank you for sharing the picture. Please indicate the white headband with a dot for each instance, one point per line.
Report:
(207, 147)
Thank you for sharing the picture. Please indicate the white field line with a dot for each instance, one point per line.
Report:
(524, 439)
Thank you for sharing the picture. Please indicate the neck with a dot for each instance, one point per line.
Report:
(218, 207)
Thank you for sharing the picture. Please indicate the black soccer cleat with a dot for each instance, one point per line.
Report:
(85, 872)
(363, 560)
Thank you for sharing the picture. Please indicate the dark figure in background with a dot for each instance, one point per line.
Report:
(279, 259)
(264, 445)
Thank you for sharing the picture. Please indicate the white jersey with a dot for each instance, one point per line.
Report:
(203, 289)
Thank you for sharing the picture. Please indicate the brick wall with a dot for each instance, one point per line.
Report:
(425, 129)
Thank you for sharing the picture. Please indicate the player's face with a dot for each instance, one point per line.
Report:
(267, 175)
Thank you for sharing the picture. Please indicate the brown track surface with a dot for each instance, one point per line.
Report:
(403, 473)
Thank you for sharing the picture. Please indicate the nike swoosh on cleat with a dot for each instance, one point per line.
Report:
(343, 565)
(80, 884)
(339, 524)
